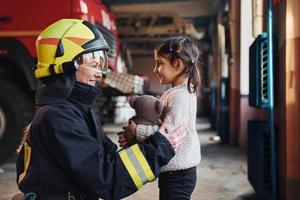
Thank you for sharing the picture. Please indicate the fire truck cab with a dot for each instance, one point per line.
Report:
(20, 24)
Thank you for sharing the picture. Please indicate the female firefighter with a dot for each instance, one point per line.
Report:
(64, 153)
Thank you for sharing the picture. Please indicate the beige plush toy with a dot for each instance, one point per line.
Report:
(149, 110)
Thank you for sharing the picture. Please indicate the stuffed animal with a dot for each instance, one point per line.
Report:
(149, 110)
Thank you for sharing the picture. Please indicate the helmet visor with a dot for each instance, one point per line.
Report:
(96, 61)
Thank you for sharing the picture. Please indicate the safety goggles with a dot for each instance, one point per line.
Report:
(96, 61)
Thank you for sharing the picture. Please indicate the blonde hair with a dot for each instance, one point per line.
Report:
(25, 136)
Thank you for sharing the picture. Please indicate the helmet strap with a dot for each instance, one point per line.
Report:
(69, 66)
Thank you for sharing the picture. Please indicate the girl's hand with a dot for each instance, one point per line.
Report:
(176, 137)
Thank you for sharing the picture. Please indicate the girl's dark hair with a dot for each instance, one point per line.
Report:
(182, 47)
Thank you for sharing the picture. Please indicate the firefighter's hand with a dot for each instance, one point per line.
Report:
(128, 135)
(122, 139)
(175, 137)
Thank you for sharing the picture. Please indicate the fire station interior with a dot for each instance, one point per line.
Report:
(248, 102)
(142, 24)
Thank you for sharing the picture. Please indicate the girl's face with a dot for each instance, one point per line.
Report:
(167, 73)
(86, 75)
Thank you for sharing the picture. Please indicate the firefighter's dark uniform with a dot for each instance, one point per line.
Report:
(65, 154)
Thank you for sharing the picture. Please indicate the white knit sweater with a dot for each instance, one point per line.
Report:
(182, 108)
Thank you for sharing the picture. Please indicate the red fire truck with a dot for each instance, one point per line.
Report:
(20, 23)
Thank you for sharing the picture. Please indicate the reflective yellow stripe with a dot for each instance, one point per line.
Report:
(136, 165)
(130, 168)
(143, 162)
(27, 155)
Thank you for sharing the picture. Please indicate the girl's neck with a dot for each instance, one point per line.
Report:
(179, 80)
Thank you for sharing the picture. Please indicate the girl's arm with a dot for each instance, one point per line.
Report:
(178, 106)
(144, 131)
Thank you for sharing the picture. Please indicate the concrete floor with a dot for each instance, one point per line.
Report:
(222, 173)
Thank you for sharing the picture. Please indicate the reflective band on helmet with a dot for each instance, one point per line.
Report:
(98, 59)
(136, 165)
(44, 72)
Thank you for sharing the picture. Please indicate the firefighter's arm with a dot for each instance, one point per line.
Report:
(110, 175)
(143, 161)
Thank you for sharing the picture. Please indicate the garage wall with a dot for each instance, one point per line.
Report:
(143, 65)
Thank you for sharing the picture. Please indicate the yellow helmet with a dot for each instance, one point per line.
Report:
(62, 42)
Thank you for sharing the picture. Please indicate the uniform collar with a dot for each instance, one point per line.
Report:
(83, 93)
(54, 89)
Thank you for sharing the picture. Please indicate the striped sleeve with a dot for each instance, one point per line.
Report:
(136, 165)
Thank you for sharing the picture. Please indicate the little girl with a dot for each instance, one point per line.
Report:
(176, 64)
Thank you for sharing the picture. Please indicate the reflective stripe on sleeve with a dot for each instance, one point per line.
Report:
(136, 165)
